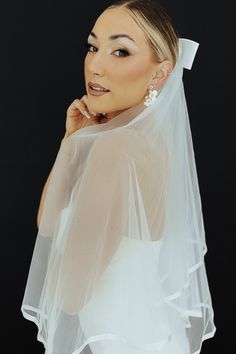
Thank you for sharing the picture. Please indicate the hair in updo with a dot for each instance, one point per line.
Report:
(157, 25)
(158, 28)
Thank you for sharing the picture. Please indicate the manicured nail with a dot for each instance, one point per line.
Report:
(86, 114)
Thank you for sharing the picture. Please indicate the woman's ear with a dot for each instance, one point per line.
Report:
(163, 71)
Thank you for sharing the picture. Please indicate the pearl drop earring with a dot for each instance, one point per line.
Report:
(151, 96)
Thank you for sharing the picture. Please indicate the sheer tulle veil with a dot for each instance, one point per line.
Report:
(122, 238)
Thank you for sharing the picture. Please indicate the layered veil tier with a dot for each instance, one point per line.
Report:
(118, 262)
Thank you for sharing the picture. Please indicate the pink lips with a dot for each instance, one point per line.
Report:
(95, 92)
(96, 85)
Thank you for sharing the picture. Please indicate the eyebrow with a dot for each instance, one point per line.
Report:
(115, 36)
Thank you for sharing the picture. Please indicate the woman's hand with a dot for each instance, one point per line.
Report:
(79, 115)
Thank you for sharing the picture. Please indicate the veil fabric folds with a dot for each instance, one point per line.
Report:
(118, 262)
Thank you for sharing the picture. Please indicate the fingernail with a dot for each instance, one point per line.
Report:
(86, 114)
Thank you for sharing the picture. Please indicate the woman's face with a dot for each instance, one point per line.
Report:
(121, 65)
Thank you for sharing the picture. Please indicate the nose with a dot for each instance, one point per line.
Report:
(95, 63)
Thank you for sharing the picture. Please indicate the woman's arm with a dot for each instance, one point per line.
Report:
(75, 119)
(43, 196)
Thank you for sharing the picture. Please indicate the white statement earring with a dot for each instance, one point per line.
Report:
(151, 96)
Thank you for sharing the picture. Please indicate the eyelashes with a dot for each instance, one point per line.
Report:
(123, 51)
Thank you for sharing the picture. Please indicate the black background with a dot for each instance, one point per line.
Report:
(41, 65)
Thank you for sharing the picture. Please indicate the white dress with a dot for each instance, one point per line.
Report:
(121, 316)
(105, 314)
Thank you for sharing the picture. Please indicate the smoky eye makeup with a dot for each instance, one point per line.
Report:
(87, 45)
(125, 52)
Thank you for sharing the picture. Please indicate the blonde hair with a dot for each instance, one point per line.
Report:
(157, 25)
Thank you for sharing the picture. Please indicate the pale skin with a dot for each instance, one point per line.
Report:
(122, 65)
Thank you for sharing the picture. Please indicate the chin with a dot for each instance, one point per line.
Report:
(99, 107)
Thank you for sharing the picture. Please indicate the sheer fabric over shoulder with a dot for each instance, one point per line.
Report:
(118, 262)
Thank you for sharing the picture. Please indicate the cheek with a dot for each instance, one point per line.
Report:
(131, 79)
(127, 80)
(86, 61)
(133, 73)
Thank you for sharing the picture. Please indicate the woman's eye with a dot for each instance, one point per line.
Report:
(124, 53)
(88, 46)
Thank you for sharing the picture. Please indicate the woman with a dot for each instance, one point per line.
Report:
(118, 265)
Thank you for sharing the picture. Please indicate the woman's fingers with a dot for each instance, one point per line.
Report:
(75, 106)
(83, 106)
(79, 115)
(85, 100)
